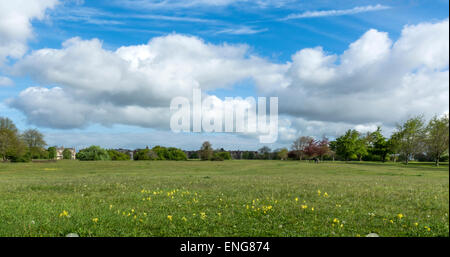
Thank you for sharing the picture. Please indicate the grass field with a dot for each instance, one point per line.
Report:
(231, 198)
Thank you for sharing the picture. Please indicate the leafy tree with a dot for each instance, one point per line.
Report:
(264, 153)
(51, 153)
(206, 151)
(323, 147)
(220, 156)
(118, 156)
(347, 145)
(437, 137)
(381, 146)
(7, 124)
(360, 149)
(410, 136)
(176, 154)
(312, 148)
(299, 145)
(282, 154)
(248, 155)
(67, 154)
(93, 153)
(12, 146)
(333, 147)
(394, 145)
(145, 155)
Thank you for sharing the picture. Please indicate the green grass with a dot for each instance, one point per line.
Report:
(232, 198)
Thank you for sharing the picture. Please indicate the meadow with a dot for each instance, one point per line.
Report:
(231, 198)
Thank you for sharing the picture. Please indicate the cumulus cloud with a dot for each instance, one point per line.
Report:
(373, 80)
(376, 81)
(15, 25)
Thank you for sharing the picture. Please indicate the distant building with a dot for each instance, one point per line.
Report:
(60, 150)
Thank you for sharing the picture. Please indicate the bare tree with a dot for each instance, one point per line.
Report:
(299, 146)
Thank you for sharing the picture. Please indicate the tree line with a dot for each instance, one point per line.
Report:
(413, 140)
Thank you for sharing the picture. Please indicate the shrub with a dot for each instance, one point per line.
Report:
(224, 155)
(93, 153)
(217, 157)
(145, 155)
(118, 156)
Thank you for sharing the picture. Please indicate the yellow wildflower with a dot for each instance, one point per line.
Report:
(400, 216)
(169, 217)
(95, 220)
(64, 214)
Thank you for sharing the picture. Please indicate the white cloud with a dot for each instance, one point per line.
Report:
(15, 24)
(4, 81)
(243, 30)
(374, 82)
(315, 14)
(182, 4)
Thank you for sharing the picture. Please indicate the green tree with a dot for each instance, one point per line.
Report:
(347, 145)
(206, 151)
(35, 142)
(93, 153)
(437, 137)
(6, 123)
(380, 146)
(67, 154)
(410, 135)
(264, 153)
(118, 156)
(361, 148)
(221, 156)
(145, 155)
(12, 146)
(51, 153)
(283, 154)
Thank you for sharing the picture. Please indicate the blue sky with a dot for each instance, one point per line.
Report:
(273, 31)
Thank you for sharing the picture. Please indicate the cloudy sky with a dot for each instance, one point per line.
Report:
(104, 72)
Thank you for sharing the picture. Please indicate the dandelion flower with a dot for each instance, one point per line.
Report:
(169, 217)
(95, 220)
(400, 216)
